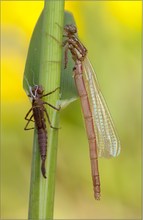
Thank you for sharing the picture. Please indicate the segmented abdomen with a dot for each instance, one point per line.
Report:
(79, 81)
(42, 135)
(42, 140)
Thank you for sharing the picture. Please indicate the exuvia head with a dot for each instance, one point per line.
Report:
(36, 91)
(70, 29)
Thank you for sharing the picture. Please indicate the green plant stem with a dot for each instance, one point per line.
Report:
(50, 70)
(42, 202)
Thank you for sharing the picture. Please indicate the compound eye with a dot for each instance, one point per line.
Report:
(73, 29)
(70, 28)
(66, 28)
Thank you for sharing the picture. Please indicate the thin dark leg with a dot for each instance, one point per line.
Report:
(28, 114)
(30, 119)
(49, 119)
(51, 92)
(52, 106)
(59, 26)
(55, 39)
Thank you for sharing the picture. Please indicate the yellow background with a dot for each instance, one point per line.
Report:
(111, 31)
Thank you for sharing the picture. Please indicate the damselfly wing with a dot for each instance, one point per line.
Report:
(108, 143)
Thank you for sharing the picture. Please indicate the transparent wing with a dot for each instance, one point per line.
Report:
(108, 143)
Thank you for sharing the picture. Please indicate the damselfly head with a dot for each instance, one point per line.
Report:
(70, 29)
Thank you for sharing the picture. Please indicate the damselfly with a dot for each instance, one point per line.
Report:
(103, 140)
(39, 112)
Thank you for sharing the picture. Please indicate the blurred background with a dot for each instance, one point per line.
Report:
(111, 31)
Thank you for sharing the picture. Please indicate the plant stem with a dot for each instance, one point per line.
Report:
(49, 77)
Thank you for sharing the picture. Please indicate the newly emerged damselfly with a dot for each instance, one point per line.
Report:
(103, 140)
(38, 113)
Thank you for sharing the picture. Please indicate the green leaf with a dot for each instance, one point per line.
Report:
(32, 67)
